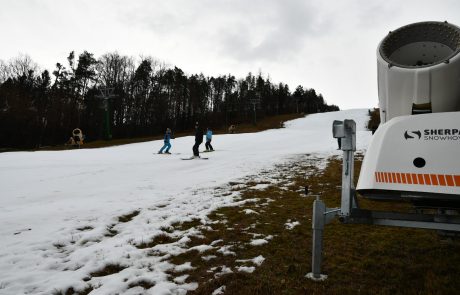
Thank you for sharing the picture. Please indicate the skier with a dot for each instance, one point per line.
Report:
(208, 140)
(167, 140)
(198, 140)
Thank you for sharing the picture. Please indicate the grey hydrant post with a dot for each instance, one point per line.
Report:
(318, 221)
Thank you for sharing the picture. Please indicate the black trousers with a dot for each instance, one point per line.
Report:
(195, 149)
(208, 145)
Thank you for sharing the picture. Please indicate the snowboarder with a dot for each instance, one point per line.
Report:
(167, 140)
(208, 140)
(198, 140)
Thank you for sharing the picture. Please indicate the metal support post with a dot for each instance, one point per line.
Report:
(349, 212)
(346, 132)
(106, 95)
(255, 103)
(318, 222)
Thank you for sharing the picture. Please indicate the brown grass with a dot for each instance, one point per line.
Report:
(109, 269)
(186, 225)
(110, 231)
(129, 216)
(85, 228)
(157, 240)
(142, 283)
(359, 259)
(72, 291)
(266, 123)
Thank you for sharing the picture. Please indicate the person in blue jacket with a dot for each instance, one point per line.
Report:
(167, 140)
(208, 140)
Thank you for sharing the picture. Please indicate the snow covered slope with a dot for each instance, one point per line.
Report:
(57, 206)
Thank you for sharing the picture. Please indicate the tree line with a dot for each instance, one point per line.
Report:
(39, 108)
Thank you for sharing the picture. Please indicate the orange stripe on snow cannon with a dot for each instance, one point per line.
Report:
(442, 180)
(427, 179)
(403, 178)
(450, 180)
(409, 178)
(457, 180)
(419, 179)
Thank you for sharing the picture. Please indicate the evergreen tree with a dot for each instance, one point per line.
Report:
(36, 109)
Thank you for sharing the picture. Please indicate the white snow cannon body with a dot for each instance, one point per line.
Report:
(415, 152)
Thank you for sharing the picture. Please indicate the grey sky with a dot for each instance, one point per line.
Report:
(326, 45)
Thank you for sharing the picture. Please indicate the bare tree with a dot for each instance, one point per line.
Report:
(3, 71)
(115, 69)
(21, 65)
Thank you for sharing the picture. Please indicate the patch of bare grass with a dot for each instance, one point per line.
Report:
(358, 258)
(72, 291)
(85, 228)
(157, 240)
(186, 225)
(142, 283)
(128, 217)
(110, 231)
(107, 270)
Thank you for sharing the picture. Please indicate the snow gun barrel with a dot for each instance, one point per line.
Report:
(419, 70)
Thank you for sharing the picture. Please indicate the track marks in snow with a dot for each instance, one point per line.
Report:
(183, 244)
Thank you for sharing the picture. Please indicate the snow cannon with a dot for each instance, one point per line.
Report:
(415, 152)
(78, 136)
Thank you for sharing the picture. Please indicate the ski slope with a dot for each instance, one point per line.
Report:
(57, 206)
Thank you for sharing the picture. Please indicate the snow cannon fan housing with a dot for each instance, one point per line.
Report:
(415, 152)
(419, 70)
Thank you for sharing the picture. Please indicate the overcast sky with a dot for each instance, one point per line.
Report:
(326, 45)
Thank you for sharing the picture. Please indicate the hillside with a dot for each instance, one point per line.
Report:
(124, 219)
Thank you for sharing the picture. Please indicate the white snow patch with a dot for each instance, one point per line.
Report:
(181, 279)
(208, 257)
(258, 242)
(202, 248)
(225, 250)
(248, 269)
(290, 225)
(224, 270)
(260, 186)
(219, 291)
(249, 211)
(256, 260)
(213, 243)
(184, 267)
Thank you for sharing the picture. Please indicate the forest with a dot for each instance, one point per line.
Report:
(118, 96)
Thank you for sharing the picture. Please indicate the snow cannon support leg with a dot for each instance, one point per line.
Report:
(346, 132)
(317, 224)
(321, 217)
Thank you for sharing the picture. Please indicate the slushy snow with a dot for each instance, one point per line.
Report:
(60, 210)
